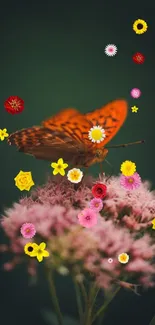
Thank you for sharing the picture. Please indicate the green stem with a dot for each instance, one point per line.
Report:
(54, 296)
(91, 300)
(78, 299)
(102, 309)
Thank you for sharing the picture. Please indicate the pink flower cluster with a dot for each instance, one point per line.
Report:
(53, 210)
(132, 209)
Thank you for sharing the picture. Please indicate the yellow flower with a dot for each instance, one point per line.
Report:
(96, 134)
(3, 134)
(75, 175)
(134, 109)
(128, 168)
(59, 167)
(123, 258)
(24, 181)
(29, 248)
(140, 26)
(39, 252)
(153, 222)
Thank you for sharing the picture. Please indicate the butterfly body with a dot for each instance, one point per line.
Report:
(66, 135)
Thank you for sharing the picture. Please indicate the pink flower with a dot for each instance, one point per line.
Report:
(135, 93)
(96, 204)
(28, 230)
(87, 218)
(130, 182)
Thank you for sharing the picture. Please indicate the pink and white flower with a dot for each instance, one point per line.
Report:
(110, 50)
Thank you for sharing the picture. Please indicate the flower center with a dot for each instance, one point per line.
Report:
(99, 190)
(14, 105)
(27, 230)
(139, 26)
(87, 217)
(96, 134)
(130, 180)
(59, 166)
(96, 204)
(30, 249)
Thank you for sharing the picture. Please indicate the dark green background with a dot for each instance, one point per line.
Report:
(52, 56)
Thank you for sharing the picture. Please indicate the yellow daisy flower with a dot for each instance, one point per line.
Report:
(3, 134)
(24, 181)
(75, 175)
(134, 109)
(39, 252)
(96, 134)
(29, 248)
(140, 26)
(59, 167)
(123, 258)
(128, 168)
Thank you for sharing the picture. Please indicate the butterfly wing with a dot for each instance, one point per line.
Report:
(110, 117)
(44, 144)
(71, 123)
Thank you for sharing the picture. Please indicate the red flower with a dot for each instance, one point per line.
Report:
(14, 105)
(99, 190)
(138, 58)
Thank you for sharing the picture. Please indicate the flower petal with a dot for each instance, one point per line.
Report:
(62, 172)
(55, 171)
(54, 165)
(60, 161)
(42, 246)
(45, 253)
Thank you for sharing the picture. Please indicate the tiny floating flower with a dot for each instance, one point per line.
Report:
(134, 109)
(110, 260)
(128, 168)
(14, 105)
(110, 50)
(3, 134)
(140, 26)
(99, 190)
(59, 167)
(123, 258)
(96, 204)
(153, 223)
(135, 93)
(29, 248)
(28, 230)
(87, 218)
(39, 252)
(75, 175)
(138, 58)
(24, 181)
(130, 182)
(96, 134)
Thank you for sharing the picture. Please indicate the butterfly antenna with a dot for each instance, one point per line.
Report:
(112, 168)
(126, 144)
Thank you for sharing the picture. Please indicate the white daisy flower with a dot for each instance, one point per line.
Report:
(110, 50)
(96, 134)
(75, 175)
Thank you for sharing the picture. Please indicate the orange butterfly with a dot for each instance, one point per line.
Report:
(66, 135)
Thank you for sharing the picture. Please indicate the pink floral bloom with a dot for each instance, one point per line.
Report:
(96, 204)
(54, 210)
(135, 93)
(87, 218)
(28, 230)
(130, 182)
